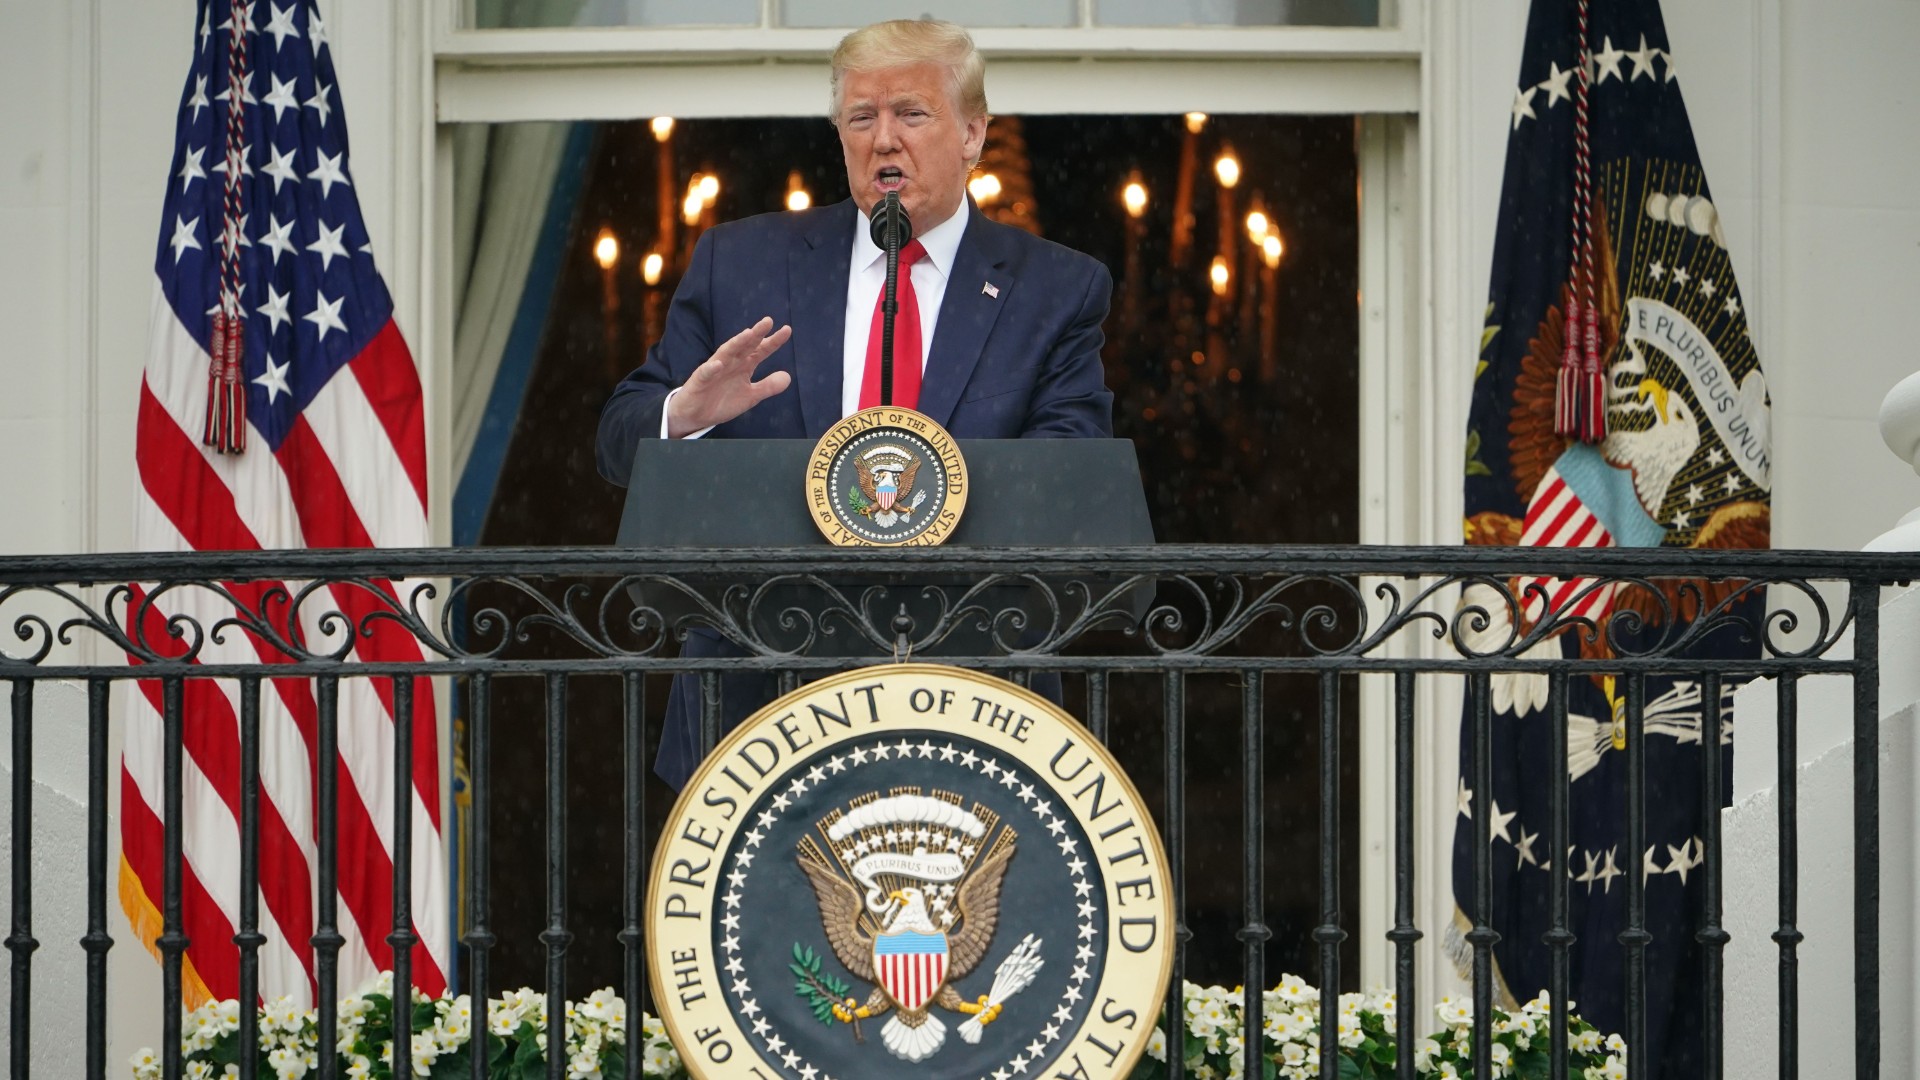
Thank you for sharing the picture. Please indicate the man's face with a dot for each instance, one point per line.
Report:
(902, 131)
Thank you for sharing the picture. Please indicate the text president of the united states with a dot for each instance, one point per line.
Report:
(773, 331)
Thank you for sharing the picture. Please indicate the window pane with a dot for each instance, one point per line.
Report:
(519, 14)
(851, 13)
(1237, 12)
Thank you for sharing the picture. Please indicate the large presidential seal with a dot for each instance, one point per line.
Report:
(886, 477)
(910, 865)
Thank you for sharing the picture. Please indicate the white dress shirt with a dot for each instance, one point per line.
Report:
(866, 276)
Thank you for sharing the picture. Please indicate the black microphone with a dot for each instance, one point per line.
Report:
(892, 230)
(891, 227)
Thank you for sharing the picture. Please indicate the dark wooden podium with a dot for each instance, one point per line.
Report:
(735, 493)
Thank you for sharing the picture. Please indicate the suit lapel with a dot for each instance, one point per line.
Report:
(817, 284)
(967, 315)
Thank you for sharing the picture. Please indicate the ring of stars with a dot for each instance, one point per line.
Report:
(1029, 1058)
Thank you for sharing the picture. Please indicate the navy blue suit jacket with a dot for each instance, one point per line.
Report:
(1021, 364)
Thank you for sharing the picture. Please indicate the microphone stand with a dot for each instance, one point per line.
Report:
(891, 230)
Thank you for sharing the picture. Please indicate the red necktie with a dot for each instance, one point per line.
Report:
(906, 340)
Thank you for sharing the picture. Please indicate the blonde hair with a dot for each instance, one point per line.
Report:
(904, 42)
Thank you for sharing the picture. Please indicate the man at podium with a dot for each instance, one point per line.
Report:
(774, 332)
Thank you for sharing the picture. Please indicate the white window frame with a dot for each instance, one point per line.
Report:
(1385, 76)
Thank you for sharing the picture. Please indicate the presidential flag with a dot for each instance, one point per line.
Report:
(1617, 402)
(280, 409)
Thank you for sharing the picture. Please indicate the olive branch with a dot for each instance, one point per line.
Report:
(821, 990)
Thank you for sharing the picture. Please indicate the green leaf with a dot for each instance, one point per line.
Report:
(528, 1061)
(498, 1052)
(1475, 467)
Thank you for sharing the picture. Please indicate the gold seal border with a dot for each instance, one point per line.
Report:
(682, 962)
(921, 426)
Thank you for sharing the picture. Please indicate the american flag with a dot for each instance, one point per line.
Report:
(262, 224)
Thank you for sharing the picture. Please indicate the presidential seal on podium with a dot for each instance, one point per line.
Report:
(910, 865)
(886, 477)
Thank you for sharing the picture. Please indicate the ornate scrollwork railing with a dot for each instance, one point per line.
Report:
(1191, 608)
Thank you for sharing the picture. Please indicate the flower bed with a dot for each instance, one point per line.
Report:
(515, 1038)
(1368, 1038)
(443, 1038)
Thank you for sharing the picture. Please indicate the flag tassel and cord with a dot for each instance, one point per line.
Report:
(1581, 392)
(226, 427)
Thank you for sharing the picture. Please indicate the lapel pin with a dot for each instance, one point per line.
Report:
(990, 289)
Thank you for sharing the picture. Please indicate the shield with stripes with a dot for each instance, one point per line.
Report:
(1582, 501)
(910, 965)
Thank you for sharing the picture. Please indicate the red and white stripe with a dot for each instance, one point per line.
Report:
(1557, 518)
(352, 473)
(912, 978)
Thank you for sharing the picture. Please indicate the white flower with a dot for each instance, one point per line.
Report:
(661, 1060)
(1157, 1046)
(1295, 991)
(146, 1064)
(425, 1052)
(199, 1070)
(584, 1066)
(287, 1064)
(1350, 1034)
(605, 1006)
(502, 1020)
(1454, 1013)
(359, 1067)
(1423, 1054)
(1586, 1042)
(1502, 1059)
(285, 1014)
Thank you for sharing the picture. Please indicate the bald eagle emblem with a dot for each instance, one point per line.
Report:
(885, 482)
(908, 887)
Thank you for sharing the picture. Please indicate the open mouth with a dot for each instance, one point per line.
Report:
(890, 179)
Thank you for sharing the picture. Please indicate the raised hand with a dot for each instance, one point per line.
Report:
(723, 386)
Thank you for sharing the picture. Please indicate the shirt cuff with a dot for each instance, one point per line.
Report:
(667, 404)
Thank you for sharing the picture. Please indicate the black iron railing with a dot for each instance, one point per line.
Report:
(1168, 614)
